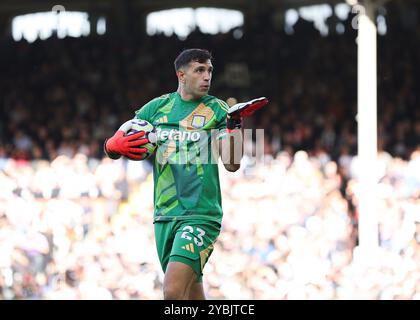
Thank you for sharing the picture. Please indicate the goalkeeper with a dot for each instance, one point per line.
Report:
(187, 199)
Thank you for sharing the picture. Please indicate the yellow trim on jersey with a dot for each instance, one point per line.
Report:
(223, 105)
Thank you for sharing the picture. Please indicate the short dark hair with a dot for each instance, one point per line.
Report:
(188, 55)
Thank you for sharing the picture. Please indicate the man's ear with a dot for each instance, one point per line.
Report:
(181, 75)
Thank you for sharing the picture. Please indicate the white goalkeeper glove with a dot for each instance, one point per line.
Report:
(242, 110)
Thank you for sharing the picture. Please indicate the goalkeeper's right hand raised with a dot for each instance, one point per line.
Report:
(129, 146)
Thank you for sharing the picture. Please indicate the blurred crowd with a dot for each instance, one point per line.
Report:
(64, 96)
(80, 228)
(75, 225)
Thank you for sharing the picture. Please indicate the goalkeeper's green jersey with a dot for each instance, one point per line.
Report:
(186, 177)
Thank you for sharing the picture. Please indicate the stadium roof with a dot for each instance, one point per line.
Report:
(25, 6)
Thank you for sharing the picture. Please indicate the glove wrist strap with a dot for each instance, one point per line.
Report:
(232, 124)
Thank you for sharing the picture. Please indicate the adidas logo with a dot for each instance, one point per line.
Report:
(189, 247)
(162, 120)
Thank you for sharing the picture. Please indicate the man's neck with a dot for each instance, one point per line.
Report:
(186, 96)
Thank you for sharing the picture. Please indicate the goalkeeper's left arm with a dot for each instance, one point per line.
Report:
(231, 149)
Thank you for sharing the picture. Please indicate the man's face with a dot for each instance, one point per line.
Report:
(196, 78)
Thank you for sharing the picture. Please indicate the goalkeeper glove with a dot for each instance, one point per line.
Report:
(121, 145)
(242, 110)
